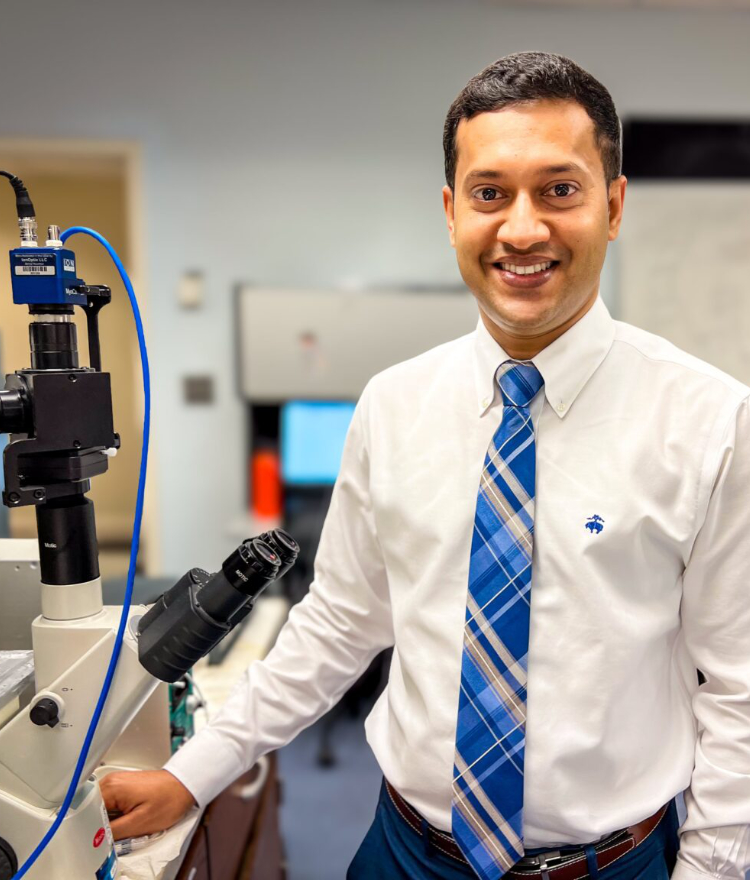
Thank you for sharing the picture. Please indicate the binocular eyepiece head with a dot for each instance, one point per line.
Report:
(192, 617)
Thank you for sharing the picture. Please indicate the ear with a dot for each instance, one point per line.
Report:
(449, 214)
(616, 202)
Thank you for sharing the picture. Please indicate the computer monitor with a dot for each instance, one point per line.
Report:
(312, 440)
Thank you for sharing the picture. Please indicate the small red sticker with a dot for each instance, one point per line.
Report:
(99, 838)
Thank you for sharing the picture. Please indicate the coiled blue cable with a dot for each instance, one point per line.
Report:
(73, 787)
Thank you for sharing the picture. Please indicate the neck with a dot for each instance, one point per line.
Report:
(523, 348)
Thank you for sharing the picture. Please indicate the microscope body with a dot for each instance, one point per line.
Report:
(60, 421)
(72, 640)
(59, 418)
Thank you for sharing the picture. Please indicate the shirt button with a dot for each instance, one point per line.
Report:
(486, 402)
(561, 407)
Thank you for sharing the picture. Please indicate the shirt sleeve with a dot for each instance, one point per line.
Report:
(329, 639)
(715, 837)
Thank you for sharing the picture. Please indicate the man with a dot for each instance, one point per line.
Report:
(548, 520)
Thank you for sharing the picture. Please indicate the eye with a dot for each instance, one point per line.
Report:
(559, 189)
(486, 194)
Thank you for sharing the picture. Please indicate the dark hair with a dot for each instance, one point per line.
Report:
(525, 77)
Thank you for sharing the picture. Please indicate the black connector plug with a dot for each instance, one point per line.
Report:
(24, 205)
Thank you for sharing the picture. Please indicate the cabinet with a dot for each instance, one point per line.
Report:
(239, 836)
(263, 859)
(195, 866)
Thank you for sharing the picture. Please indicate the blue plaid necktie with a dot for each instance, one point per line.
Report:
(487, 808)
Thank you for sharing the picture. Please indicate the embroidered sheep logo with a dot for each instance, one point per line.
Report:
(595, 524)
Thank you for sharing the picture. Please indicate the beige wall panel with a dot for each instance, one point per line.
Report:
(684, 253)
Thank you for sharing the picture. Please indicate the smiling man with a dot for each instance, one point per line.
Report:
(547, 519)
(534, 194)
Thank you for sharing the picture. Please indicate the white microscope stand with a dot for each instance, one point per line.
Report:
(73, 641)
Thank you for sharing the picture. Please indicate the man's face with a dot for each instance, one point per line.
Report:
(511, 205)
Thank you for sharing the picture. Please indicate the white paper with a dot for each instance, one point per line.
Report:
(151, 862)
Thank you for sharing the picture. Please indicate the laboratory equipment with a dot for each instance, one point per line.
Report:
(90, 683)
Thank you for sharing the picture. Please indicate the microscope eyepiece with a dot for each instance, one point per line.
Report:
(284, 545)
(252, 567)
(192, 617)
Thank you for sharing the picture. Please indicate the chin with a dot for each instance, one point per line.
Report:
(512, 313)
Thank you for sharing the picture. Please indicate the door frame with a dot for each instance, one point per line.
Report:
(73, 156)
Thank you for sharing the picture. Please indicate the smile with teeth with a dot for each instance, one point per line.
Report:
(526, 270)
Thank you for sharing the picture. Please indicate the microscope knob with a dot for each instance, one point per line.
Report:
(46, 711)
(8, 861)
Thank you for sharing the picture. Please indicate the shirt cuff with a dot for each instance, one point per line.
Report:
(206, 765)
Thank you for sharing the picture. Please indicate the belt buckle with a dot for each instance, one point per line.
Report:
(544, 862)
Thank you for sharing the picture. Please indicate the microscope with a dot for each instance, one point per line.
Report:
(60, 421)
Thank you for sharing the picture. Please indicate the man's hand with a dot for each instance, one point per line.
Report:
(149, 800)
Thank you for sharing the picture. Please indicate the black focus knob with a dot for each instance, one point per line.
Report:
(8, 861)
(46, 711)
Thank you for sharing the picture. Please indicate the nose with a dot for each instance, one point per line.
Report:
(521, 227)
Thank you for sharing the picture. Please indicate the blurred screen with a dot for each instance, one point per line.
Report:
(312, 440)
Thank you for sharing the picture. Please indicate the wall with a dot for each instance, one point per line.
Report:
(299, 143)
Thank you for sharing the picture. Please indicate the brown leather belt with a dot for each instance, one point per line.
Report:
(553, 865)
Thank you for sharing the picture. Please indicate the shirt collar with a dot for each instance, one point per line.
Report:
(565, 364)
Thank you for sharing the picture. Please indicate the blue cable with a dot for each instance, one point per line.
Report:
(73, 787)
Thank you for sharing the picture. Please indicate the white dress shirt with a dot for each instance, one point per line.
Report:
(628, 428)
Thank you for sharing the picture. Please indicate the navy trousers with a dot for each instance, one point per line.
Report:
(394, 850)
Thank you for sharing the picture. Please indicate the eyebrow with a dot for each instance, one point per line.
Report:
(494, 174)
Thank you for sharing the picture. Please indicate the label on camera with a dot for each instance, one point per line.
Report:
(34, 264)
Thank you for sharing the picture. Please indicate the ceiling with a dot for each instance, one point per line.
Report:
(637, 4)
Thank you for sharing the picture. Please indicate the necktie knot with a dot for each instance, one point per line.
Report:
(519, 382)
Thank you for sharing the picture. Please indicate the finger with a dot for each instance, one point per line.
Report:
(119, 802)
(134, 824)
(110, 795)
(110, 779)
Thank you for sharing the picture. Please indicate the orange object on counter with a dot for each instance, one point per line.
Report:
(265, 485)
